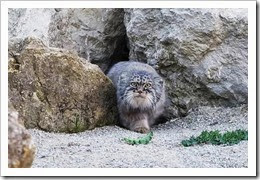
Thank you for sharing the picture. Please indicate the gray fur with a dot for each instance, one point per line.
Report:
(140, 94)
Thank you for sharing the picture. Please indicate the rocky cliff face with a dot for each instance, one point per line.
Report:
(202, 53)
(55, 90)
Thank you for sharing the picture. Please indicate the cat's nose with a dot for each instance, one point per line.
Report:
(140, 91)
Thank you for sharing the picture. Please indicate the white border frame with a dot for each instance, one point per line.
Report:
(250, 171)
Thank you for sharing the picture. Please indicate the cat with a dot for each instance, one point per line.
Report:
(140, 94)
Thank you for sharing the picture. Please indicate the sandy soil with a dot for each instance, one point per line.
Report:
(103, 147)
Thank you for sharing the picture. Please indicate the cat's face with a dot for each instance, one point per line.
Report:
(140, 92)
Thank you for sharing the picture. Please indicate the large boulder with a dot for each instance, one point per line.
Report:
(21, 150)
(55, 90)
(202, 53)
(96, 34)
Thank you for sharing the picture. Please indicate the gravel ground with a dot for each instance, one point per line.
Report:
(103, 147)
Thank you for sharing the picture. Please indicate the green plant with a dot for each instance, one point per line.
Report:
(216, 138)
(142, 140)
(77, 123)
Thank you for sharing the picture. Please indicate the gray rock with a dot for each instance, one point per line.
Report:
(94, 33)
(57, 91)
(21, 149)
(23, 22)
(97, 35)
(202, 53)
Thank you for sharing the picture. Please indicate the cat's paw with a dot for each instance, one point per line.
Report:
(143, 130)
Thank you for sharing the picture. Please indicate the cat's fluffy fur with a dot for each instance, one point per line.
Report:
(140, 94)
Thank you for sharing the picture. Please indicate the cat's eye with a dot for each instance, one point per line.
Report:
(132, 84)
(147, 85)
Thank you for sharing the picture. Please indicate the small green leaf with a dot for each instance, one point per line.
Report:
(142, 140)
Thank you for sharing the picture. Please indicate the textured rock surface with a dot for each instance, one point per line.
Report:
(21, 150)
(23, 22)
(55, 90)
(96, 34)
(202, 53)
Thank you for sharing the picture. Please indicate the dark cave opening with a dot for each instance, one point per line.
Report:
(121, 53)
